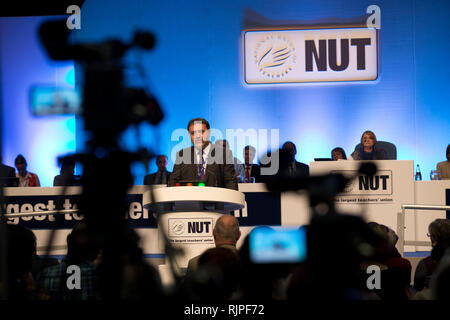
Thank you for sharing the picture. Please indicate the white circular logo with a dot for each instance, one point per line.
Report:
(177, 227)
(275, 55)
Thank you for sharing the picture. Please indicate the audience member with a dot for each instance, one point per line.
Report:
(40, 263)
(338, 154)
(367, 150)
(226, 234)
(444, 166)
(21, 250)
(161, 176)
(337, 245)
(441, 282)
(123, 272)
(67, 175)
(52, 282)
(289, 165)
(204, 161)
(439, 233)
(395, 270)
(249, 169)
(26, 179)
(261, 281)
(217, 277)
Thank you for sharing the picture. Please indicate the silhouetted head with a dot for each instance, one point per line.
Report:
(79, 245)
(291, 149)
(68, 166)
(21, 249)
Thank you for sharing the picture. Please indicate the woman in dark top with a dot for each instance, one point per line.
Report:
(367, 150)
(338, 153)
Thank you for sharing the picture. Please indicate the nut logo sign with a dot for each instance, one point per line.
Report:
(316, 55)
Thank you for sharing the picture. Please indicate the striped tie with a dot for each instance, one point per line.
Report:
(201, 169)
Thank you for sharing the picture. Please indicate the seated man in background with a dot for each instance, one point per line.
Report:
(249, 168)
(237, 164)
(288, 163)
(7, 175)
(204, 161)
(444, 166)
(161, 176)
(67, 175)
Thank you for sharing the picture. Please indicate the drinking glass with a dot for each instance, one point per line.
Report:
(435, 175)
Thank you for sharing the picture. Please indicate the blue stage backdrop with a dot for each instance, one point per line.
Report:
(196, 69)
(24, 64)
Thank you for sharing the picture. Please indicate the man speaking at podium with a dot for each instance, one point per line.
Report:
(204, 161)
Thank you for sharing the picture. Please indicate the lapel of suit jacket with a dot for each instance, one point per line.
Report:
(194, 165)
(210, 164)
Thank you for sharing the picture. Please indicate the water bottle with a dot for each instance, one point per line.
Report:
(418, 174)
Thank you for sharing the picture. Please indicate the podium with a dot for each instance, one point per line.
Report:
(376, 198)
(188, 216)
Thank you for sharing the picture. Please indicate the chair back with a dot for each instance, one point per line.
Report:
(388, 147)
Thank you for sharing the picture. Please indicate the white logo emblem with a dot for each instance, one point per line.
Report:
(177, 227)
(274, 56)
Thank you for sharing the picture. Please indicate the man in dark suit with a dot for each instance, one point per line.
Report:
(161, 176)
(249, 168)
(7, 176)
(204, 161)
(292, 167)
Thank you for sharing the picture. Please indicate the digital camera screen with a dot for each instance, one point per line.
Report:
(48, 100)
(285, 245)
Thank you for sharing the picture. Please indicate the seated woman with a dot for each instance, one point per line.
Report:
(338, 153)
(26, 179)
(367, 150)
(444, 166)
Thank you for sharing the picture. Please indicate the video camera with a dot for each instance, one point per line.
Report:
(107, 106)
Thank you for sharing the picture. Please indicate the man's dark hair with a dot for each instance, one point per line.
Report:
(160, 156)
(67, 164)
(79, 248)
(289, 142)
(204, 121)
